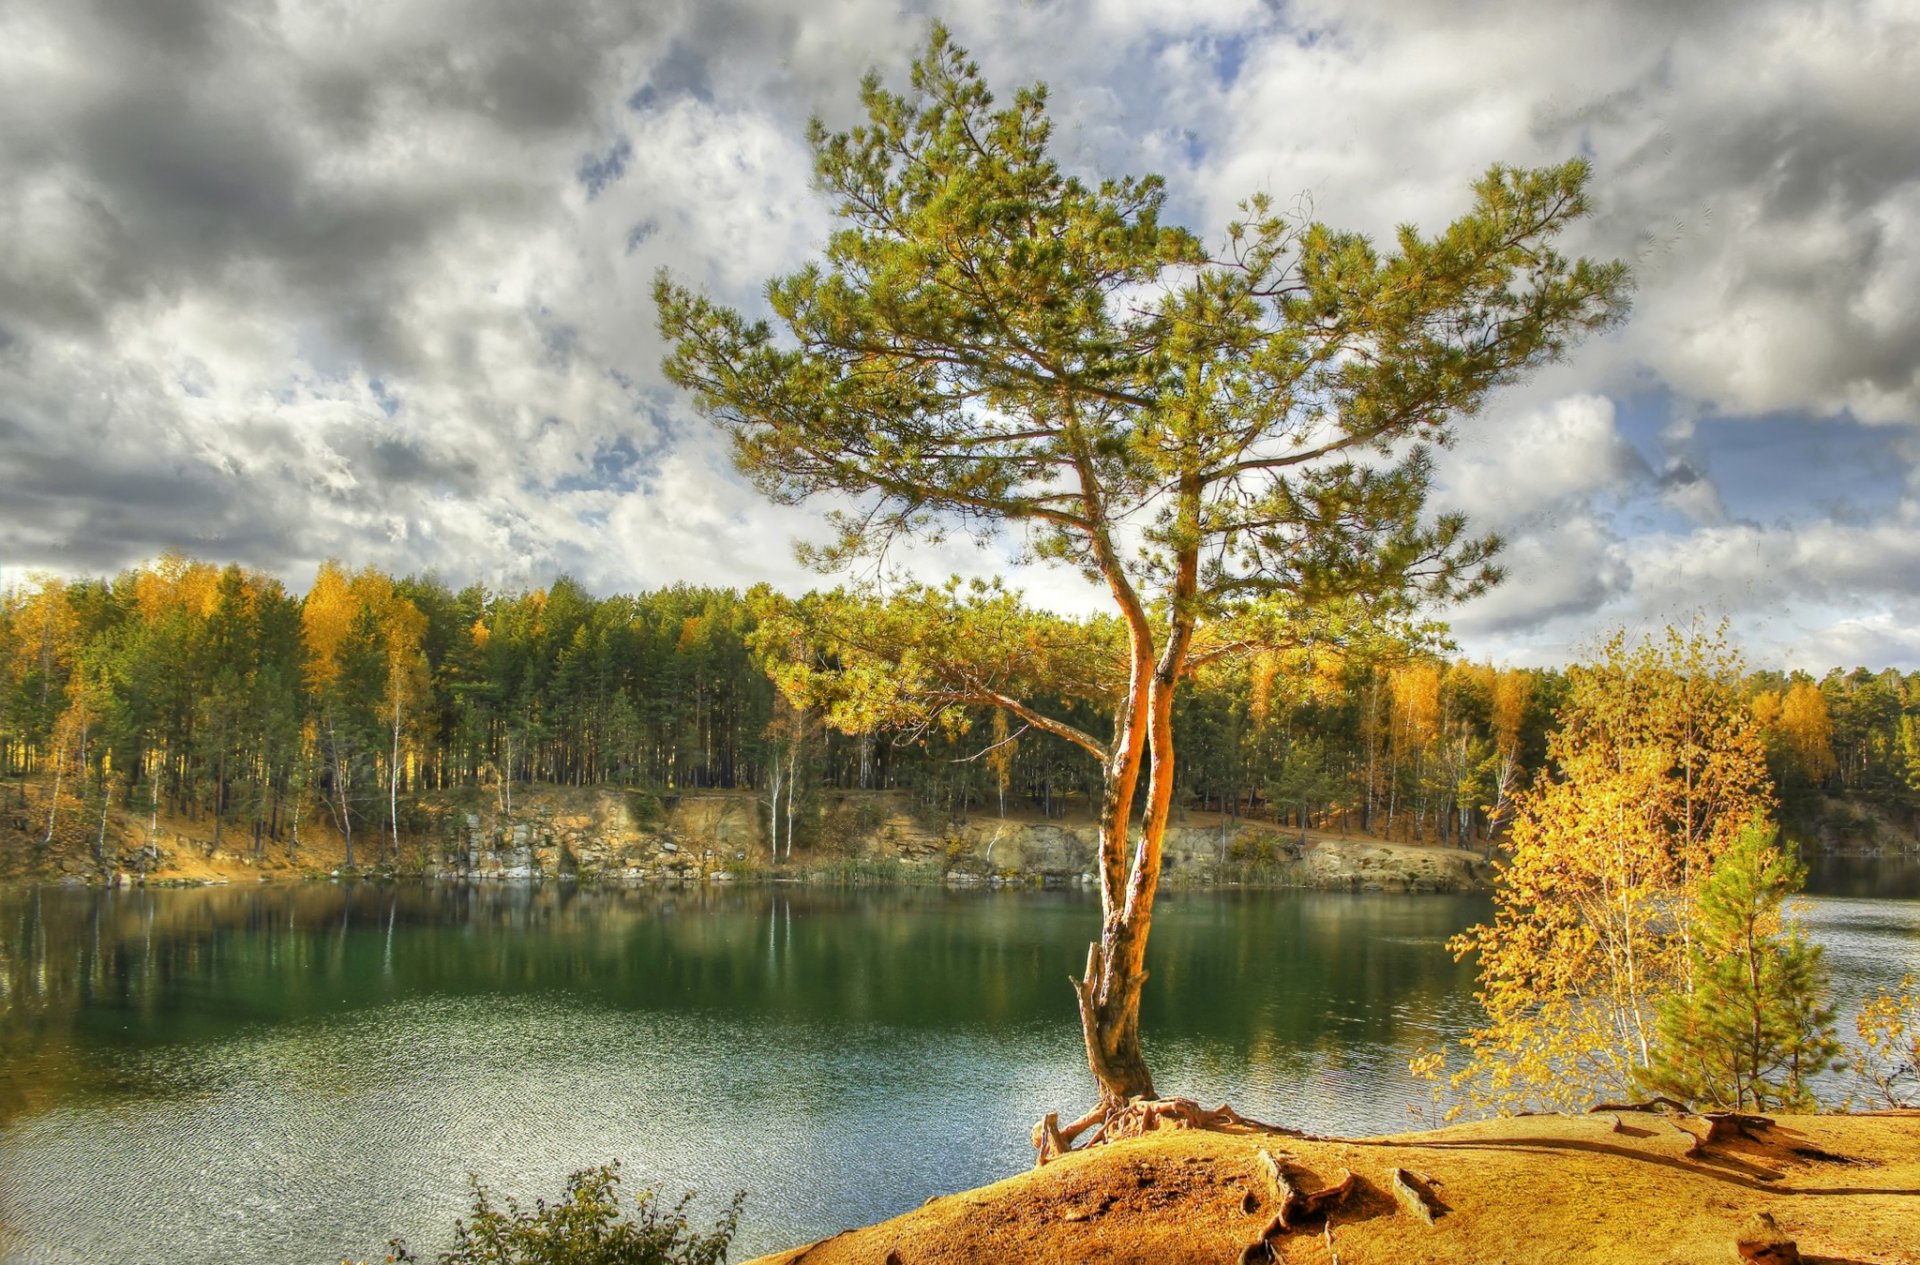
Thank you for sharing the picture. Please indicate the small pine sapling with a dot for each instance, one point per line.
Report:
(1752, 1030)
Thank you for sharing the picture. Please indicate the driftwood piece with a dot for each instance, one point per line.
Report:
(1762, 1242)
(808, 1250)
(1412, 1195)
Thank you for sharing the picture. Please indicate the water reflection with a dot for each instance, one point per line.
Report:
(1881, 877)
(290, 1073)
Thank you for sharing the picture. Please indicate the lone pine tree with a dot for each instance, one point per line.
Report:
(1222, 440)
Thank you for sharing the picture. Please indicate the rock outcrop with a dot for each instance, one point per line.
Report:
(615, 835)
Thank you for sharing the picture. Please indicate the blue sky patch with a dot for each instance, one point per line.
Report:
(597, 172)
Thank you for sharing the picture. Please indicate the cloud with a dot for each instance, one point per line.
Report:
(1559, 574)
(1757, 164)
(1508, 471)
(1858, 641)
(371, 279)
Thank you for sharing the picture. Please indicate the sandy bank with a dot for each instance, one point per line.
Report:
(1540, 1190)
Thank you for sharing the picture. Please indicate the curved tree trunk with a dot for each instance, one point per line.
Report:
(1109, 992)
(1109, 997)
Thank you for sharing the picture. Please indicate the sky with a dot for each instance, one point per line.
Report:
(369, 279)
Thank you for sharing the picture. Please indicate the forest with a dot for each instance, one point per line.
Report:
(218, 694)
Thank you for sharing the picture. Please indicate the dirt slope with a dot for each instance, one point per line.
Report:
(1541, 1190)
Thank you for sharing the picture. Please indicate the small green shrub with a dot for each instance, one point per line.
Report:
(644, 809)
(584, 1228)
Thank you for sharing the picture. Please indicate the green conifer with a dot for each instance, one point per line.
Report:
(1752, 1030)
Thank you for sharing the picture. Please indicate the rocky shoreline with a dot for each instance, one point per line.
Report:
(720, 837)
(613, 836)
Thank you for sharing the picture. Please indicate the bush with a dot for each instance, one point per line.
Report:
(644, 809)
(585, 1228)
(1888, 1057)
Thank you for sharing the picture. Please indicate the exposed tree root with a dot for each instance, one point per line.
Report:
(1719, 1125)
(1292, 1207)
(1762, 1242)
(1322, 1202)
(1135, 1117)
(1286, 1199)
(1412, 1194)
(1722, 1126)
(1050, 1141)
(1660, 1103)
(1726, 1124)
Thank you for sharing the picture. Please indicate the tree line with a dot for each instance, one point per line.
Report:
(217, 694)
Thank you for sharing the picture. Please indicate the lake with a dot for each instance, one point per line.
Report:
(295, 1073)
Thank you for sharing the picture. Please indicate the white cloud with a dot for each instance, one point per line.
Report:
(1560, 573)
(1507, 470)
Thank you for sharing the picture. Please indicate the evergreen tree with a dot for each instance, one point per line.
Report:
(991, 341)
(1752, 1030)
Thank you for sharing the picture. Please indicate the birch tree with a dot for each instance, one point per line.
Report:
(1656, 769)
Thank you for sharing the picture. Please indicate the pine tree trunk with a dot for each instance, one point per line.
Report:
(1109, 998)
(1109, 993)
(219, 795)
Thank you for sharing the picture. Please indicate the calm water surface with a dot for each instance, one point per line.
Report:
(296, 1073)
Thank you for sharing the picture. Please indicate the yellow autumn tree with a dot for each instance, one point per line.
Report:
(1887, 1060)
(1807, 730)
(1656, 767)
(326, 617)
(403, 629)
(46, 636)
(1415, 690)
(356, 618)
(1512, 691)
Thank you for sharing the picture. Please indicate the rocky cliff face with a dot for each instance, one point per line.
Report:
(614, 835)
(608, 834)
